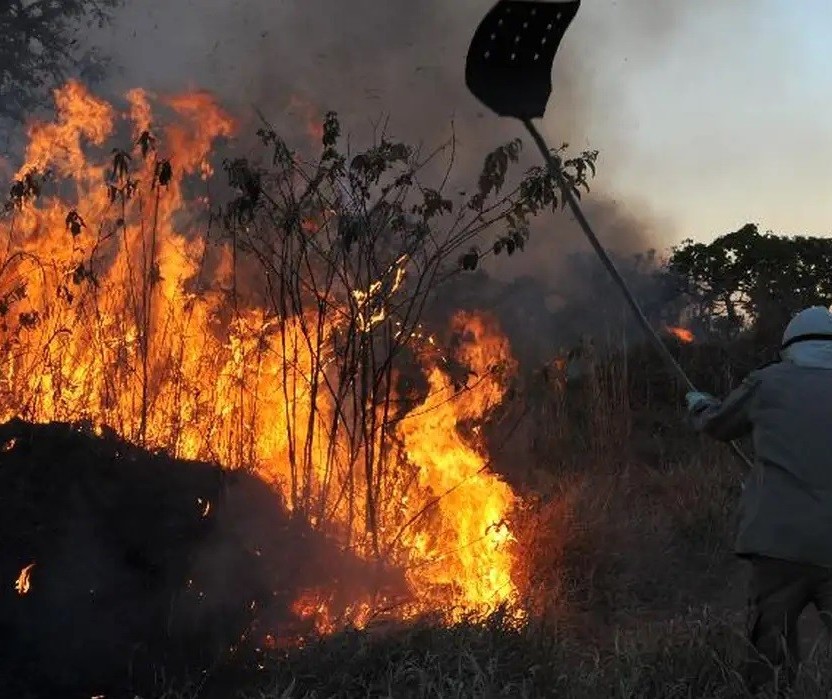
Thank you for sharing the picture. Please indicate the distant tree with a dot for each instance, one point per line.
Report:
(40, 47)
(751, 281)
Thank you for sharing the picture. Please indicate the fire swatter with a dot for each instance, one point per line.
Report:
(509, 69)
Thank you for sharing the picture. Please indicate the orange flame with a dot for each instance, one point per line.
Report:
(314, 605)
(468, 546)
(311, 117)
(23, 582)
(119, 320)
(681, 334)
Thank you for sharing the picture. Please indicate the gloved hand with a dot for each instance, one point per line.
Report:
(696, 400)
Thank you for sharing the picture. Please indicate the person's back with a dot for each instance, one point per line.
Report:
(786, 509)
(787, 502)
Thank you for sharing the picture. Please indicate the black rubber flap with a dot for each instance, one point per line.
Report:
(509, 64)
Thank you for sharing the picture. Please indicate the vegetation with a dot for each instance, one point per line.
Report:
(311, 352)
(629, 552)
(355, 256)
(40, 47)
(626, 527)
(632, 550)
(693, 655)
(749, 280)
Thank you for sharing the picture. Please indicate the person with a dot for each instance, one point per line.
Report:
(785, 528)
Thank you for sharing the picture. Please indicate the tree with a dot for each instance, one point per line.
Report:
(747, 281)
(364, 241)
(40, 48)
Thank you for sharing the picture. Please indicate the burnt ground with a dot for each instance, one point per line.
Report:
(136, 579)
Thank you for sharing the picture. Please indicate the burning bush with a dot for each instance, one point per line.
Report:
(279, 331)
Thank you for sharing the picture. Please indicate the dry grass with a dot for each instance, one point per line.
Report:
(646, 597)
(650, 604)
(696, 654)
(629, 559)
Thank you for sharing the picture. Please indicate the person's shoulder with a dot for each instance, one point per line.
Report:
(774, 366)
(783, 368)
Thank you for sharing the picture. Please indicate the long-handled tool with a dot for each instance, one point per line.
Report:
(509, 69)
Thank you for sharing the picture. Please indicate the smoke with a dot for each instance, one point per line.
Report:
(372, 61)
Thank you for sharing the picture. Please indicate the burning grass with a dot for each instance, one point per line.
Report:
(274, 327)
(631, 556)
(650, 605)
(691, 657)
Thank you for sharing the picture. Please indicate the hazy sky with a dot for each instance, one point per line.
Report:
(734, 123)
(708, 113)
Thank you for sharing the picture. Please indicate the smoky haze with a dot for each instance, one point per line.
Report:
(404, 61)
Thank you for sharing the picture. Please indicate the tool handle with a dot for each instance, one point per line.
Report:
(554, 165)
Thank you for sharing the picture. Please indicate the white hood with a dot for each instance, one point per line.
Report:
(816, 354)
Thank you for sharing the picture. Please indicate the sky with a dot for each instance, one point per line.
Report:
(732, 124)
(707, 114)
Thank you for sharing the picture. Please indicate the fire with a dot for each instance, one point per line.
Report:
(315, 605)
(115, 310)
(469, 542)
(204, 505)
(372, 301)
(681, 334)
(312, 121)
(23, 582)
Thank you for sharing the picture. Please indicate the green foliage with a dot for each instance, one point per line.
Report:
(494, 171)
(539, 190)
(376, 192)
(39, 48)
(332, 130)
(750, 280)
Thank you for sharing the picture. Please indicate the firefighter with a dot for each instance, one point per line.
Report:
(785, 526)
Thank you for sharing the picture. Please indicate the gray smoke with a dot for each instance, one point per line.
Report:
(370, 60)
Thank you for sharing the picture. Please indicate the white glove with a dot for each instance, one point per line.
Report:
(697, 400)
